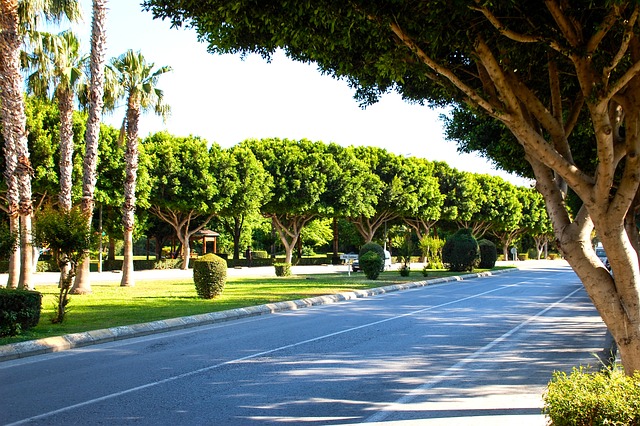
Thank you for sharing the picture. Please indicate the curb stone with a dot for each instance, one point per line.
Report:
(87, 338)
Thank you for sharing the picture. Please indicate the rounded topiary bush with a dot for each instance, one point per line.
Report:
(371, 264)
(282, 269)
(488, 254)
(209, 275)
(461, 251)
(377, 248)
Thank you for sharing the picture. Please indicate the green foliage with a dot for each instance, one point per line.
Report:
(282, 269)
(374, 247)
(599, 398)
(19, 311)
(460, 251)
(488, 254)
(404, 270)
(8, 241)
(209, 275)
(431, 248)
(371, 264)
(68, 236)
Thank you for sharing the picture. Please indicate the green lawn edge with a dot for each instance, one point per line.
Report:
(110, 305)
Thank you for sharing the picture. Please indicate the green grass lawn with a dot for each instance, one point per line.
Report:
(111, 305)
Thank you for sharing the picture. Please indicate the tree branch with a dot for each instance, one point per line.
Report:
(564, 24)
(502, 29)
(446, 73)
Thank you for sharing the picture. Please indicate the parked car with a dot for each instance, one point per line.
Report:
(603, 256)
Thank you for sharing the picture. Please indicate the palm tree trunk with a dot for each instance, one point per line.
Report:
(129, 206)
(82, 282)
(65, 105)
(14, 131)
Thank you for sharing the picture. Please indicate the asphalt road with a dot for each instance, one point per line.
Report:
(468, 352)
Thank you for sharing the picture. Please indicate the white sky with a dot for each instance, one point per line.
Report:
(227, 100)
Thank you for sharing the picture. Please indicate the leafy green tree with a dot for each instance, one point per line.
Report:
(404, 188)
(300, 171)
(66, 234)
(353, 188)
(535, 220)
(461, 193)
(139, 82)
(429, 199)
(542, 72)
(251, 188)
(186, 194)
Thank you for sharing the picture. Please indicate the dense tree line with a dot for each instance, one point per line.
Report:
(187, 182)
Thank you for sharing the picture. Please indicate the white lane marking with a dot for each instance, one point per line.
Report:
(394, 406)
(255, 355)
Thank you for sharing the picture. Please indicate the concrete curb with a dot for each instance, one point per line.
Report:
(77, 340)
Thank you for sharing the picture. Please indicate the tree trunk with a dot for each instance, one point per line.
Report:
(131, 174)
(26, 254)
(14, 259)
(65, 104)
(186, 250)
(111, 251)
(616, 299)
(127, 263)
(82, 283)
(18, 171)
(335, 237)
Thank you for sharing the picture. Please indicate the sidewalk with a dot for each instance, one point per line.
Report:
(49, 278)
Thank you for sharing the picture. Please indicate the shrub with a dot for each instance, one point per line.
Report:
(209, 275)
(434, 264)
(593, 398)
(19, 311)
(371, 264)
(260, 254)
(404, 270)
(376, 248)
(488, 254)
(461, 251)
(431, 248)
(282, 269)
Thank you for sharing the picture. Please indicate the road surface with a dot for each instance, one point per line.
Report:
(467, 352)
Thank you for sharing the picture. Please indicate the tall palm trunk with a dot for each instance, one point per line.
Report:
(18, 172)
(82, 282)
(129, 207)
(65, 105)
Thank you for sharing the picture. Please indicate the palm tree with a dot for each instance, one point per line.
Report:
(138, 81)
(82, 283)
(58, 68)
(17, 19)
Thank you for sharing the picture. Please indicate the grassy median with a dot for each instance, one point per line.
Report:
(111, 305)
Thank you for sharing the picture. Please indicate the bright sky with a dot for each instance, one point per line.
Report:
(226, 100)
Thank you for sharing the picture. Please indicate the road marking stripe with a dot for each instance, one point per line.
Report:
(281, 348)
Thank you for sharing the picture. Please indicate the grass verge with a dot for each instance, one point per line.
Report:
(111, 305)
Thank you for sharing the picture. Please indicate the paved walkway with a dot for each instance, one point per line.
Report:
(46, 278)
